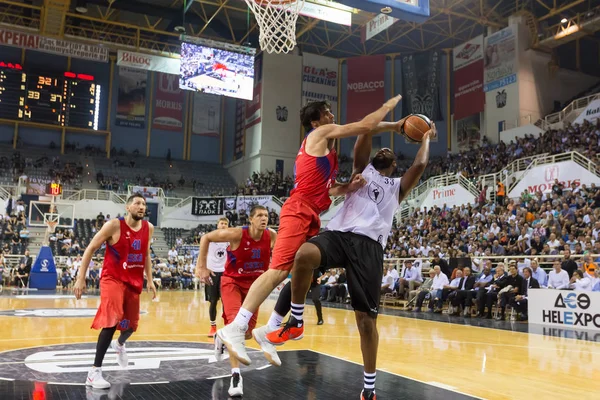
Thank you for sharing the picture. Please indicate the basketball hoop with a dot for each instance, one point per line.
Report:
(277, 22)
(51, 226)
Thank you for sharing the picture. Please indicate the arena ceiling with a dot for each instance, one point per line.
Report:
(149, 25)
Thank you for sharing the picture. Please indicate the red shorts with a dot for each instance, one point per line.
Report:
(298, 222)
(119, 305)
(233, 293)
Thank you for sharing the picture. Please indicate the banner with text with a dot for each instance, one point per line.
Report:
(542, 177)
(253, 107)
(469, 97)
(207, 115)
(150, 62)
(566, 309)
(320, 80)
(247, 202)
(131, 100)
(375, 26)
(500, 66)
(37, 186)
(468, 132)
(421, 84)
(9, 37)
(207, 206)
(168, 103)
(590, 114)
(365, 87)
(149, 192)
(240, 129)
(450, 196)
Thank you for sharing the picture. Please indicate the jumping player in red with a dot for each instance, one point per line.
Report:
(314, 174)
(248, 256)
(126, 259)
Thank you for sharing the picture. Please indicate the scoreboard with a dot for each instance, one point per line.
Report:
(68, 100)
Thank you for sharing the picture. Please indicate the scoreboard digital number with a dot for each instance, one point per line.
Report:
(54, 189)
(68, 100)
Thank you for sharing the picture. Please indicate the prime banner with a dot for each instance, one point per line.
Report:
(207, 206)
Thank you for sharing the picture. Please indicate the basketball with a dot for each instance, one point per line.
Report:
(415, 127)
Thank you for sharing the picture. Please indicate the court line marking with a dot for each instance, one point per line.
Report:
(449, 388)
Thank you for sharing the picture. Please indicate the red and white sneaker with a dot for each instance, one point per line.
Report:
(213, 331)
(292, 330)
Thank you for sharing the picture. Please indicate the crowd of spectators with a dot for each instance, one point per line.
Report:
(68, 173)
(267, 183)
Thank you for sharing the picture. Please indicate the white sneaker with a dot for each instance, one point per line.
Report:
(269, 350)
(95, 379)
(236, 387)
(233, 337)
(219, 349)
(121, 351)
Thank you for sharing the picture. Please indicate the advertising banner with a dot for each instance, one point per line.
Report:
(541, 178)
(149, 62)
(451, 195)
(148, 192)
(247, 202)
(131, 100)
(207, 206)
(320, 80)
(207, 115)
(468, 132)
(561, 308)
(421, 84)
(253, 108)
(365, 87)
(591, 113)
(240, 129)
(37, 186)
(469, 97)
(168, 103)
(500, 66)
(377, 25)
(9, 37)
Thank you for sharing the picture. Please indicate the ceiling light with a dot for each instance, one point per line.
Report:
(179, 29)
(563, 21)
(81, 7)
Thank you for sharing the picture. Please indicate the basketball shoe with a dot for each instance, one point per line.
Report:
(367, 394)
(292, 330)
(260, 335)
(233, 337)
(95, 379)
(219, 349)
(236, 387)
(213, 331)
(122, 358)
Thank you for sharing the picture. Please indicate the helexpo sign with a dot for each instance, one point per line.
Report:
(564, 308)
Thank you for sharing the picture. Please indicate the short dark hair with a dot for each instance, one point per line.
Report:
(528, 269)
(312, 112)
(255, 208)
(133, 197)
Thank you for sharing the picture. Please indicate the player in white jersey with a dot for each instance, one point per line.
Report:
(215, 261)
(355, 239)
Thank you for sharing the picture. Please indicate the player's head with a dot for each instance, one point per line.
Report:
(223, 223)
(259, 217)
(136, 206)
(384, 161)
(315, 114)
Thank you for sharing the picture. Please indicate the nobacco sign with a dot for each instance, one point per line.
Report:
(148, 62)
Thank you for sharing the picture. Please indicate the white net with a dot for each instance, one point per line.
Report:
(277, 22)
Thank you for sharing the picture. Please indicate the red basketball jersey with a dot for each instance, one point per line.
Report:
(251, 258)
(125, 260)
(313, 176)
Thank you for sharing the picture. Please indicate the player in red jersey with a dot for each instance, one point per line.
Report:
(248, 256)
(126, 259)
(314, 175)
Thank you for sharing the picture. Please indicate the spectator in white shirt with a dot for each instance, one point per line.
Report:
(553, 243)
(172, 254)
(387, 283)
(558, 278)
(538, 273)
(412, 279)
(580, 282)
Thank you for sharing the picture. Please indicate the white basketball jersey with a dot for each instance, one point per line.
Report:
(370, 210)
(217, 256)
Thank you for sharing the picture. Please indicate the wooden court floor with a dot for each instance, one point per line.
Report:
(480, 362)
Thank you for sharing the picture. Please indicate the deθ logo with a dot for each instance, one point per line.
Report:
(573, 300)
(572, 310)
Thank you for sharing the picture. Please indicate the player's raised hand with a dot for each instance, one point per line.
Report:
(205, 275)
(399, 124)
(393, 102)
(78, 288)
(432, 133)
(357, 182)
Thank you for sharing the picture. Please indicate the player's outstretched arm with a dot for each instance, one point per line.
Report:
(412, 176)
(231, 235)
(341, 189)
(103, 235)
(367, 125)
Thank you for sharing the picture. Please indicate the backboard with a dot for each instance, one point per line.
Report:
(406, 10)
(40, 212)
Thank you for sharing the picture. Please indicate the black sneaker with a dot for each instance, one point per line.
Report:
(368, 394)
(320, 322)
